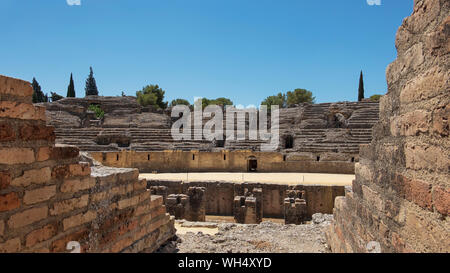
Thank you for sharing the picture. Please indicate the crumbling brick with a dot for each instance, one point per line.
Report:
(40, 235)
(7, 132)
(5, 180)
(9, 201)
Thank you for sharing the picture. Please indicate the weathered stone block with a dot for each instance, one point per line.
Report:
(178, 205)
(411, 124)
(418, 192)
(27, 217)
(80, 169)
(372, 198)
(156, 201)
(295, 211)
(197, 204)
(120, 245)
(16, 156)
(423, 156)
(69, 205)
(39, 195)
(441, 119)
(159, 190)
(76, 184)
(23, 111)
(431, 83)
(15, 87)
(128, 202)
(34, 176)
(79, 219)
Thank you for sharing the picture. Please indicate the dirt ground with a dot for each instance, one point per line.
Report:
(271, 236)
(277, 178)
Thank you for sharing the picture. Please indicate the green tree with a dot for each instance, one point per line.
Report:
(38, 95)
(361, 87)
(279, 100)
(375, 97)
(152, 95)
(91, 85)
(55, 97)
(219, 101)
(71, 88)
(299, 96)
(179, 102)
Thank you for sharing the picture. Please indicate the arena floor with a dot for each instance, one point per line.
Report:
(275, 178)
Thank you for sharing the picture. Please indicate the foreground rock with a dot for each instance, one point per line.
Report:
(267, 237)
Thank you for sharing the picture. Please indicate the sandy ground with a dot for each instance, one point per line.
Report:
(182, 230)
(275, 178)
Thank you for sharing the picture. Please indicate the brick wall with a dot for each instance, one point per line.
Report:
(48, 197)
(401, 195)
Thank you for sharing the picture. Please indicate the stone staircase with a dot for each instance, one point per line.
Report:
(308, 124)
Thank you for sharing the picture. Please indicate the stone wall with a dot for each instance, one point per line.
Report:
(49, 198)
(189, 206)
(247, 206)
(223, 161)
(220, 196)
(401, 195)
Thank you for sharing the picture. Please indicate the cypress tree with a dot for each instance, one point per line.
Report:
(361, 87)
(38, 95)
(71, 88)
(91, 86)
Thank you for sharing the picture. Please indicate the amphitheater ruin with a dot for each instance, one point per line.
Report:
(122, 183)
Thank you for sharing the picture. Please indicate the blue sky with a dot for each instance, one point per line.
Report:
(242, 49)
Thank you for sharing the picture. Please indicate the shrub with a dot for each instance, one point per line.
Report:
(99, 113)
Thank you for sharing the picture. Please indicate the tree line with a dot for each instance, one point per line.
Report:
(90, 89)
(153, 95)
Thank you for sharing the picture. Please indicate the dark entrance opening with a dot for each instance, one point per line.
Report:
(289, 142)
(252, 164)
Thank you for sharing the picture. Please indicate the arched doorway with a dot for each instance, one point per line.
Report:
(252, 164)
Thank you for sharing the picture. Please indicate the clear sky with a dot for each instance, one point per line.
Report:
(245, 50)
